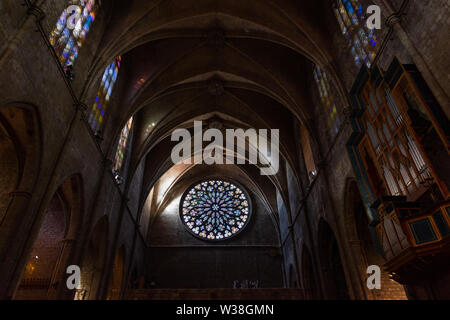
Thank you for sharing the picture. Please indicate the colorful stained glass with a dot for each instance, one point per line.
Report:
(326, 95)
(362, 41)
(109, 79)
(122, 147)
(72, 28)
(215, 210)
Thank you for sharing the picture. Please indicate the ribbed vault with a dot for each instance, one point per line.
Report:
(242, 64)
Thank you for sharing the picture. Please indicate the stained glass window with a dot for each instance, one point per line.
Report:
(328, 101)
(215, 210)
(122, 147)
(109, 79)
(362, 41)
(72, 28)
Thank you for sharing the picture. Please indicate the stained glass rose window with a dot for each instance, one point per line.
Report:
(215, 209)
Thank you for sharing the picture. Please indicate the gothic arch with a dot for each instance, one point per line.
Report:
(44, 275)
(21, 134)
(21, 139)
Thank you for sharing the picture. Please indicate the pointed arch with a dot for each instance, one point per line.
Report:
(44, 276)
(20, 138)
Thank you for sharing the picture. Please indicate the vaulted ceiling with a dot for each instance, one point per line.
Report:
(245, 64)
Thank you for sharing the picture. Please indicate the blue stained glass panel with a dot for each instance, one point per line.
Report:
(351, 19)
(66, 40)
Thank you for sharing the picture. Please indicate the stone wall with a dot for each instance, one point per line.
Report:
(177, 259)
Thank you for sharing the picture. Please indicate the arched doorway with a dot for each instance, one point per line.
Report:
(117, 275)
(331, 263)
(308, 276)
(44, 275)
(93, 263)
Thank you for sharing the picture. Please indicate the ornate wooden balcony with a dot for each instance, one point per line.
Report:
(413, 241)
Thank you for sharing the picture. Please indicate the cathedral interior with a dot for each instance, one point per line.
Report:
(92, 91)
